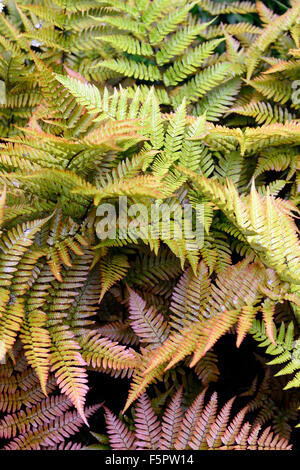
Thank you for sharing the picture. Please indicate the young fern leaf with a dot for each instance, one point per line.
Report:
(2, 204)
(45, 412)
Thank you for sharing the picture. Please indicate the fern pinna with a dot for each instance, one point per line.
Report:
(162, 104)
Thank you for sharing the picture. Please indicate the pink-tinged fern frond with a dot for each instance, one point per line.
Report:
(119, 331)
(65, 357)
(10, 323)
(218, 427)
(234, 288)
(253, 438)
(11, 402)
(190, 297)
(198, 428)
(212, 331)
(14, 245)
(233, 429)
(175, 348)
(268, 312)
(29, 420)
(171, 422)
(147, 323)
(121, 438)
(66, 446)
(189, 422)
(147, 426)
(198, 440)
(53, 433)
(46, 411)
(242, 438)
(271, 441)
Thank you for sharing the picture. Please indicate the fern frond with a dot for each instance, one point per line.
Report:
(285, 349)
(198, 428)
(147, 426)
(52, 433)
(37, 343)
(234, 7)
(218, 100)
(171, 422)
(112, 269)
(86, 94)
(120, 437)
(128, 67)
(147, 324)
(178, 43)
(67, 364)
(182, 68)
(264, 113)
(101, 352)
(201, 83)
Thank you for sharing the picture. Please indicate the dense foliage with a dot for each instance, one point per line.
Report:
(180, 104)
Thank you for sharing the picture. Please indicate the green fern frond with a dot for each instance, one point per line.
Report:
(182, 68)
(112, 269)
